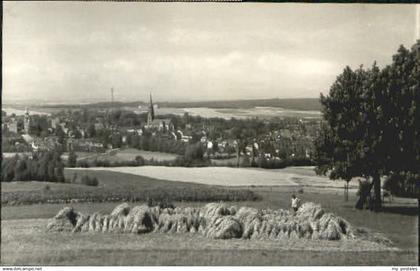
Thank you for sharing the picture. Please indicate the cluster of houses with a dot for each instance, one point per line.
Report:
(15, 124)
(20, 126)
(80, 138)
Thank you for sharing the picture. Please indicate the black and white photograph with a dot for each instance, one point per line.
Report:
(210, 134)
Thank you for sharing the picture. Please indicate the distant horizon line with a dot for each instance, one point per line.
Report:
(93, 101)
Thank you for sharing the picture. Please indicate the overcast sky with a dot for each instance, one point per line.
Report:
(77, 51)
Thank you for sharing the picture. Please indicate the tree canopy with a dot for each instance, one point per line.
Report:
(370, 127)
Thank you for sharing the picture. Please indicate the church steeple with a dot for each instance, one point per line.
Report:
(151, 114)
(151, 108)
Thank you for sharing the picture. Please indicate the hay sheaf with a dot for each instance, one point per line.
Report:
(214, 220)
(65, 220)
(324, 225)
(224, 227)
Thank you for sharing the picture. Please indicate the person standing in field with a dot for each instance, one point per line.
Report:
(295, 203)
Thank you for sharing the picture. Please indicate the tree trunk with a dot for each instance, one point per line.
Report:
(238, 155)
(253, 155)
(363, 197)
(377, 191)
(346, 191)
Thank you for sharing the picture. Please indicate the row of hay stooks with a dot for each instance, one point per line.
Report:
(214, 220)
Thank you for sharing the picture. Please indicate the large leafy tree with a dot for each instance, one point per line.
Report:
(370, 125)
(340, 145)
(243, 136)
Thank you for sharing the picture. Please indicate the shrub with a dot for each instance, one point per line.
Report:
(194, 152)
(90, 181)
(403, 184)
(140, 160)
(246, 162)
(74, 178)
(72, 160)
(275, 163)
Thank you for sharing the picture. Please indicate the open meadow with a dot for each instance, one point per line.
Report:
(128, 154)
(25, 240)
(228, 176)
(115, 187)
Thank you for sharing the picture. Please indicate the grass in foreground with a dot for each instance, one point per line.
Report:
(401, 228)
(26, 242)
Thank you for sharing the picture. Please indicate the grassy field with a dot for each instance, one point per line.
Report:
(244, 113)
(115, 187)
(123, 155)
(34, 246)
(24, 239)
(228, 176)
(130, 154)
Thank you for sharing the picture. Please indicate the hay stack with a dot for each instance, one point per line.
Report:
(251, 221)
(224, 227)
(122, 209)
(214, 220)
(82, 223)
(115, 222)
(212, 211)
(139, 220)
(65, 220)
(323, 225)
(311, 211)
(178, 220)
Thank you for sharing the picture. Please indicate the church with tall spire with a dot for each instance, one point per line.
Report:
(157, 124)
(151, 113)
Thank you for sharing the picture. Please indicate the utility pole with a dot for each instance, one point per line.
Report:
(112, 96)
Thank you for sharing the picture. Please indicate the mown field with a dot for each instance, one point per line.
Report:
(24, 239)
(178, 249)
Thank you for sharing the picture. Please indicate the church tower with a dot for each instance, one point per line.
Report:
(26, 121)
(151, 114)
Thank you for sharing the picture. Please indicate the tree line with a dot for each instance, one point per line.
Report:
(44, 166)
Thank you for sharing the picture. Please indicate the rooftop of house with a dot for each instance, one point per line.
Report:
(28, 139)
(159, 121)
